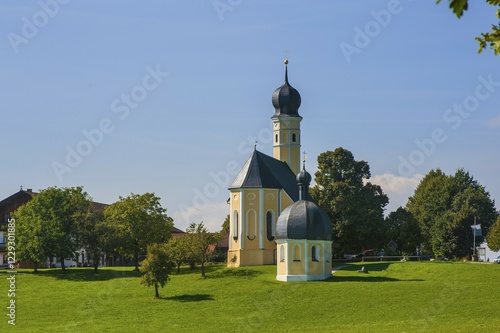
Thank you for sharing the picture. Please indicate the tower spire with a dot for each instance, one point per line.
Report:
(286, 71)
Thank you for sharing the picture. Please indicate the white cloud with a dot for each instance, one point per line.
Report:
(494, 122)
(397, 188)
(396, 184)
(212, 215)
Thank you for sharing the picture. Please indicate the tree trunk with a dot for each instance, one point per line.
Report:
(157, 295)
(62, 265)
(179, 267)
(96, 262)
(136, 259)
(35, 266)
(203, 268)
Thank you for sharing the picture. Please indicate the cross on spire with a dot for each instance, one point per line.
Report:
(286, 54)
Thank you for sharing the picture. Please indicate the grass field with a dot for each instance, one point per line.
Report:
(392, 297)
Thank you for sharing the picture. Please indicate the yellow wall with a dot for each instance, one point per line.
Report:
(284, 148)
(252, 206)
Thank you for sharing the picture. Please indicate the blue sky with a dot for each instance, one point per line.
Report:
(169, 96)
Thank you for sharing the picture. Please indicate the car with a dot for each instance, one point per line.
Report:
(368, 253)
(496, 260)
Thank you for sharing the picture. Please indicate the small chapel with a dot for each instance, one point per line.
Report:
(265, 189)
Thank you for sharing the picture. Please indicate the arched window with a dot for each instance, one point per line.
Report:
(314, 253)
(282, 253)
(296, 253)
(251, 222)
(270, 225)
(235, 225)
(276, 138)
(294, 137)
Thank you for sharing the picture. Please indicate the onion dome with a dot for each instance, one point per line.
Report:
(286, 99)
(304, 178)
(304, 219)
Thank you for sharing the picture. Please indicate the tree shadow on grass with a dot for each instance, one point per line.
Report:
(366, 278)
(190, 298)
(85, 274)
(233, 272)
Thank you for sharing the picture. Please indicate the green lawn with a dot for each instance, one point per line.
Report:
(392, 297)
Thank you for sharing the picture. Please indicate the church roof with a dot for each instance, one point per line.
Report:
(262, 171)
(304, 220)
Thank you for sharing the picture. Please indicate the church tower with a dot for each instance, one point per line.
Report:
(265, 186)
(286, 124)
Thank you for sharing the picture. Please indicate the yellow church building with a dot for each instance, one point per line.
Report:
(266, 185)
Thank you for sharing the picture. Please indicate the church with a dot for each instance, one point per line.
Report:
(267, 185)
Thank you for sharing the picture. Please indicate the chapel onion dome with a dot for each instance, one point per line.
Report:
(286, 99)
(304, 219)
(304, 178)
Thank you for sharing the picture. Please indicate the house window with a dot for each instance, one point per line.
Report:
(314, 253)
(270, 225)
(235, 225)
(294, 137)
(282, 253)
(296, 253)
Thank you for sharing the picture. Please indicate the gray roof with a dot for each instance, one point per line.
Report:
(304, 220)
(263, 171)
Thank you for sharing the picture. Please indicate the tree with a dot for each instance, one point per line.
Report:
(354, 205)
(93, 233)
(403, 228)
(445, 208)
(430, 199)
(52, 215)
(157, 267)
(138, 221)
(492, 38)
(493, 237)
(31, 244)
(198, 242)
(178, 251)
(225, 225)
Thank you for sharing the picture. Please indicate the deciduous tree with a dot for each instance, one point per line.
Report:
(493, 237)
(445, 207)
(354, 205)
(178, 251)
(198, 242)
(138, 221)
(157, 266)
(53, 216)
(403, 228)
(487, 38)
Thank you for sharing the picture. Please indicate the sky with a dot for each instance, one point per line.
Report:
(169, 97)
